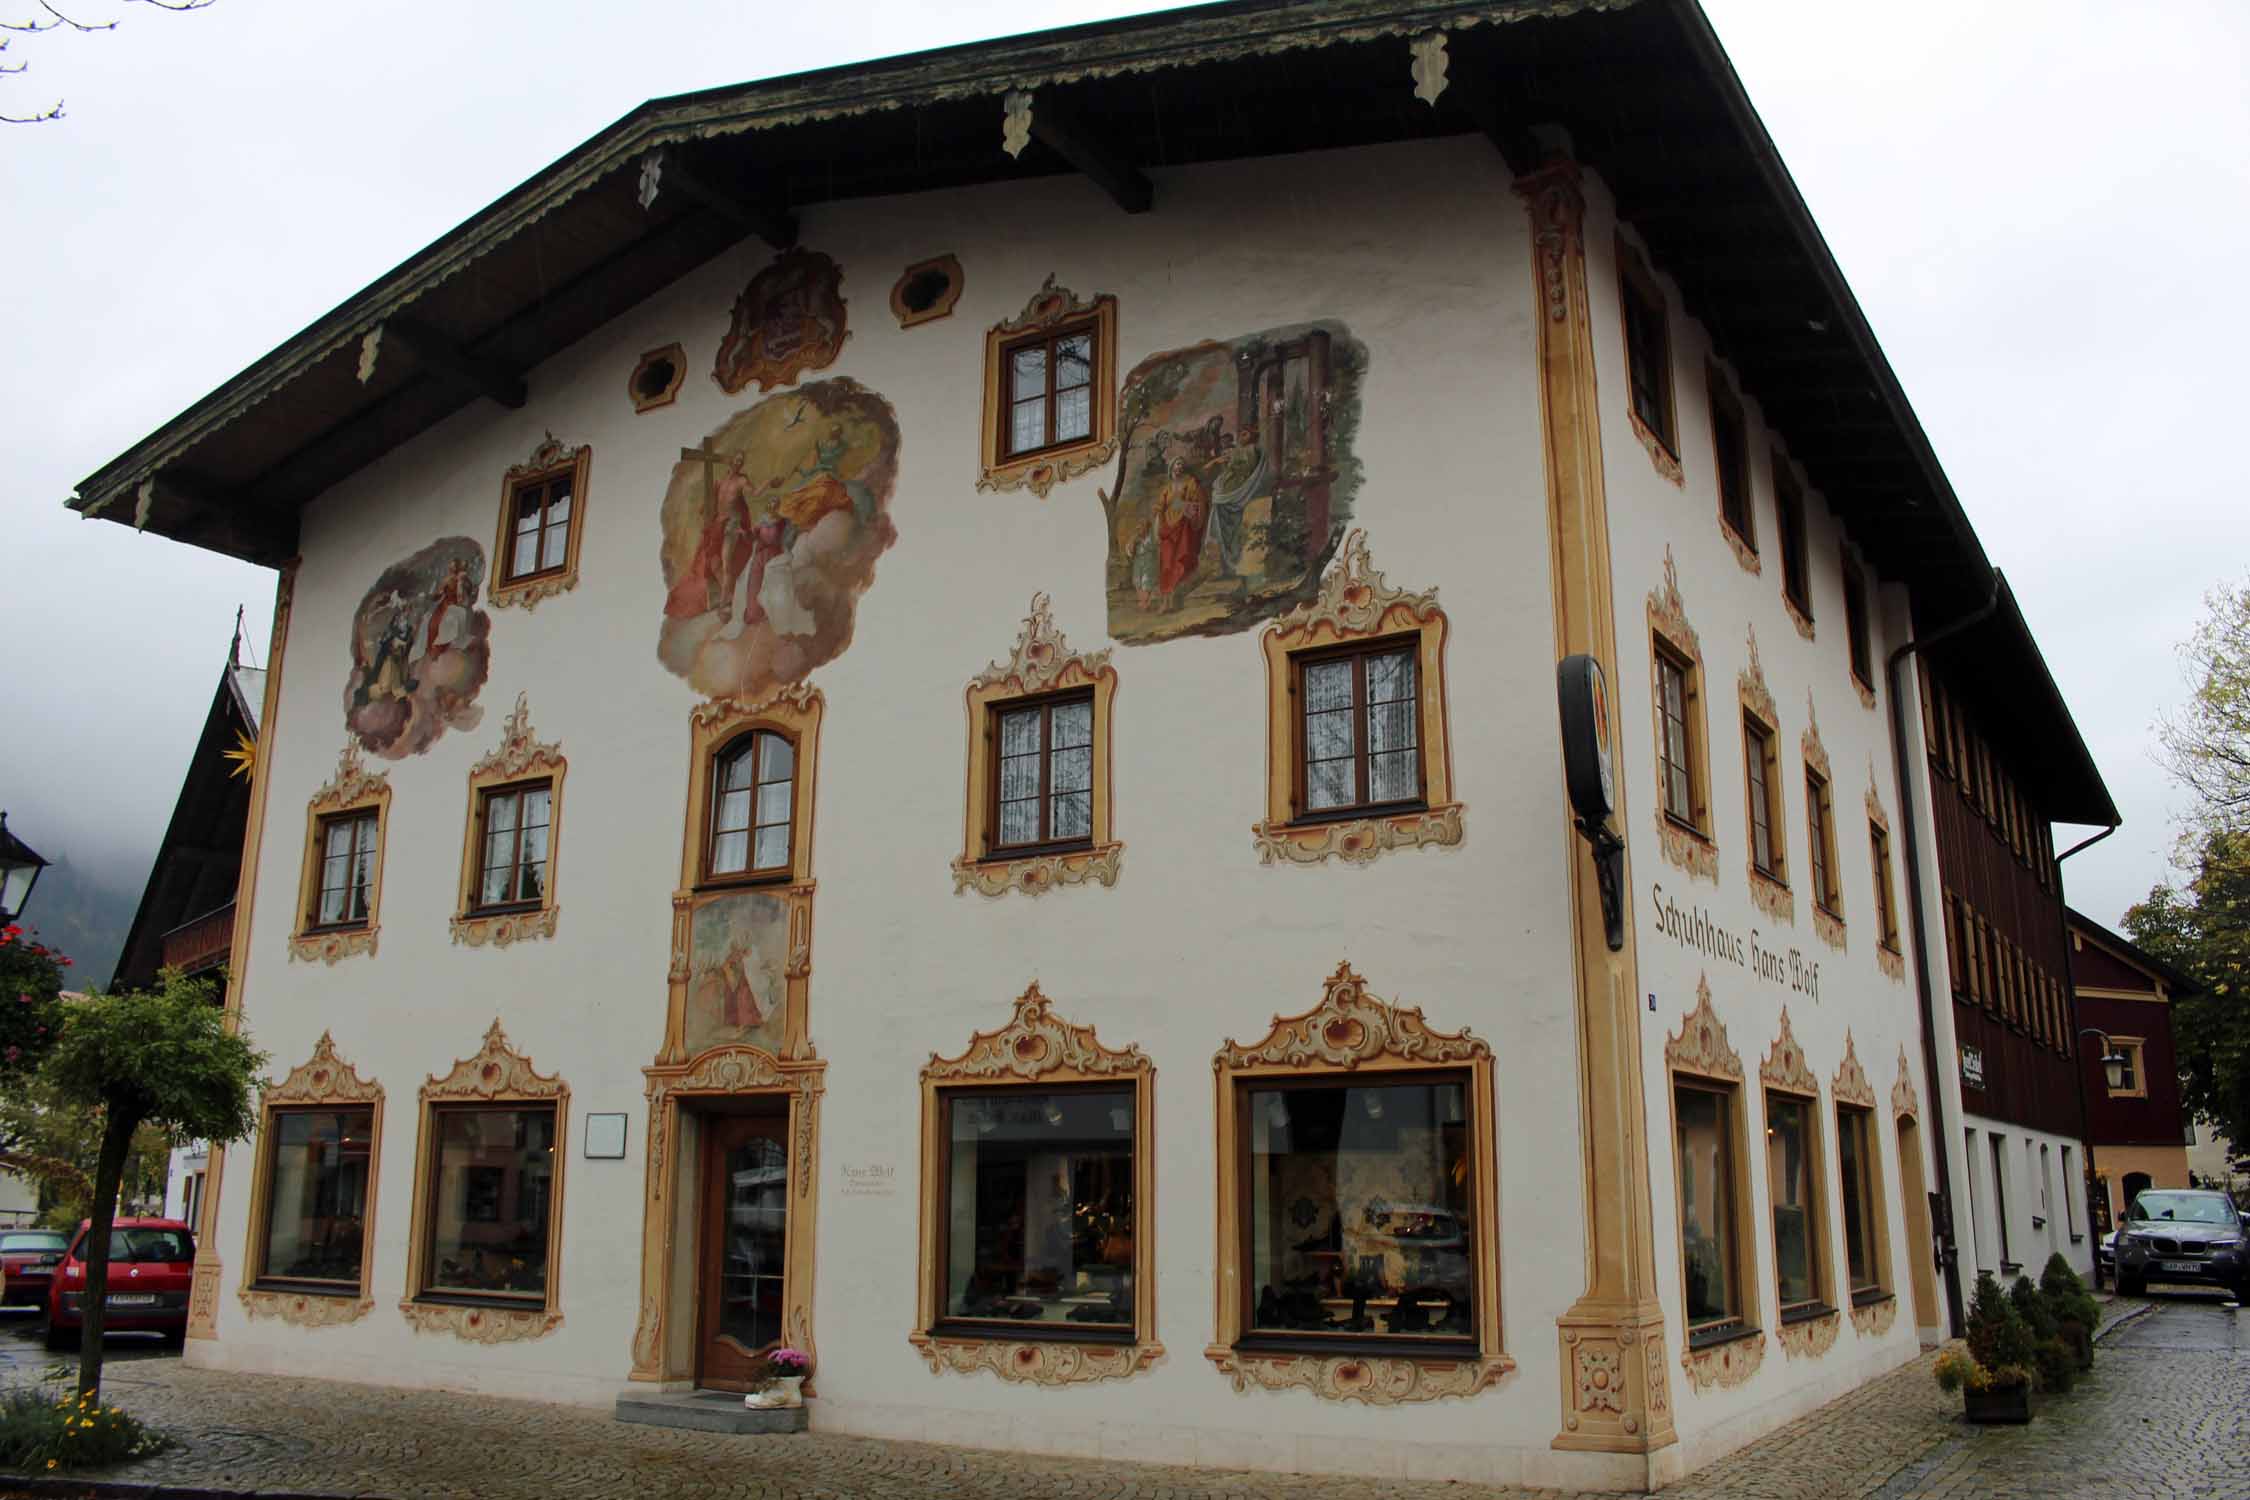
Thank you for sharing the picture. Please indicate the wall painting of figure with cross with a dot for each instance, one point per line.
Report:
(771, 529)
(1235, 479)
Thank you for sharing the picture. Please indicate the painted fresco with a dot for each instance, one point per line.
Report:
(1235, 480)
(421, 651)
(771, 530)
(788, 320)
(738, 963)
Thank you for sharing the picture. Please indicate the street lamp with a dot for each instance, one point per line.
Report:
(2113, 1070)
(2113, 1061)
(20, 865)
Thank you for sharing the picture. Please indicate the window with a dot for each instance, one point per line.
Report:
(1956, 940)
(2071, 1189)
(1886, 909)
(512, 828)
(1675, 695)
(349, 844)
(1705, 1136)
(1730, 448)
(491, 1202)
(2000, 1200)
(1359, 739)
(191, 1200)
(1648, 351)
(1864, 1240)
(753, 807)
(1043, 776)
(1050, 391)
(1038, 1193)
(317, 1170)
(1855, 626)
(1760, 765)
(1358, 1217)
(1048, 379)
(1038, 1207)
(1820, 843)
(2132, 1081)
(1789, 517)
(542, 509)
(1793, 1173)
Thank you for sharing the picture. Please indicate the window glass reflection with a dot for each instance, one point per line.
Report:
(1039, 1196)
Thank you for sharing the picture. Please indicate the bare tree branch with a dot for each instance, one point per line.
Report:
(56, 20)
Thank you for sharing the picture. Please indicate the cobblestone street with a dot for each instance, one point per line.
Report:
(2166, 1413)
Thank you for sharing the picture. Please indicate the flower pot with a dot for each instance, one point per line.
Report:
(2007, 1403)
(786, 1391)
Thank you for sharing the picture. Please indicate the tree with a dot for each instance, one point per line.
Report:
(164, 1057)
(46, 17)
(59, 1143)
(2207, 745)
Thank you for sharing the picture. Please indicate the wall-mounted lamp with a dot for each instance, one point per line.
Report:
(1589, 772)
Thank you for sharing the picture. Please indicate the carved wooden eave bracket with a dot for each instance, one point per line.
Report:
(1785, 1067)
(1668, 622)
(1052, 120)
(664, 168)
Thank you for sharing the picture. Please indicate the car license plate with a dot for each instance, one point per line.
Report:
(2191, 1267)
(132, 1299)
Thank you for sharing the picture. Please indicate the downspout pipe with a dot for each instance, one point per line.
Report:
(2077, 1062)
(1941, 1136)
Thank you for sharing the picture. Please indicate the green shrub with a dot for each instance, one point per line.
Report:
(1999, 1339)
(2066, 1295)
(2033, 1309)
(39, 1433)
(1953, 1370)
(2057, 1366)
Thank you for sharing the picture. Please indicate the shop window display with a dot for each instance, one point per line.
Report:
(1360, 1214)
(316, 1209)
(491, 1187)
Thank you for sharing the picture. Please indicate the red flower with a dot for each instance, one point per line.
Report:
(13, 1053)
(64, 962)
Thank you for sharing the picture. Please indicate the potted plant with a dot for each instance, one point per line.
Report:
(1994, 1372)
(777, 1379)
(2072, 1308)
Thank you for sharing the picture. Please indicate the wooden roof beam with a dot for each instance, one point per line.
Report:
(434, 349)
(1059, 127)
(770, 222)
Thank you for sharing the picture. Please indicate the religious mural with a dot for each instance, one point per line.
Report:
(771, 530)
(738, 967)
(788, 320)
(1235, 479)
(421, 650)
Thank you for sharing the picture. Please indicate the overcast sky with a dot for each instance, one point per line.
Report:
(2043, 206)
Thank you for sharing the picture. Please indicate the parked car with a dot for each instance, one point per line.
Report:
(29, 1257)
(151, 1268)
(2189, 1235)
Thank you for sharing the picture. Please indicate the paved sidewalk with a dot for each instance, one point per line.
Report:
(2166, 1413)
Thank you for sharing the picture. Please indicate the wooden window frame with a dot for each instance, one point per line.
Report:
(357, 820)
(2134, 1049)
(1356, 603)
(520, 761)
(1045, 705)
(354, 791)
(1046, 340)
(1354, 1038)
(1761, 741)
(1698, 821)
(709, 879)
(323, 1082)
(1640, 298)
(1358, 652)
(1874, 1221)
(1786, 1074)
(1820, 844)
(549, 462)
(1701, 1057)
(497, 1077)
(486, 797)
(1041, 669)
(1794, 529)
(1886, 894)
(1740, 531)
(1858, 630)
(1052, 312)
(1036, 1052)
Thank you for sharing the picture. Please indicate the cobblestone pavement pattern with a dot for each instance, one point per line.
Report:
(2166, 1413)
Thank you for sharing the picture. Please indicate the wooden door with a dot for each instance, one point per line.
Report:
(743, 1246)
(1921, 1255)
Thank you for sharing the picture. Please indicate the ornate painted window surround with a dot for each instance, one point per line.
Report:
(1042, 663)
(664, 1338)
(1351, 1033)
(1051, 308)
(323, 1079)
(1771, 893)
(1889, 956)
(1722, 398)
(1793, 526)
(794, 712)
(352, 789)
(550, 460)
(1858, 628)
(1850, 1090)
(1827, 906)
(1037, 1049)
(519, 758)
(1355, 603)
(1689, 847)
(1702, 1053)
(649, 394)
(1635, 282)
(495, 1074)
(1785, 1071)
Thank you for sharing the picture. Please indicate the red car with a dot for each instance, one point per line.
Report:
(151, 1267)
(30, 1256)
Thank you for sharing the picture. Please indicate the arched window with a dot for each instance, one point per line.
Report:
(753, 807)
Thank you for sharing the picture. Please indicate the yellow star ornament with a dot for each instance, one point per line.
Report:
(244, 755)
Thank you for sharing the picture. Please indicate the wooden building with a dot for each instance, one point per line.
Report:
(1043, 566)
(2138, 1130)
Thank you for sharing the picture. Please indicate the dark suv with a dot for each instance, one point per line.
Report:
(2184, 1235)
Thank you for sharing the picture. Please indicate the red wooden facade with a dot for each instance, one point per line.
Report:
(2106, 968)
